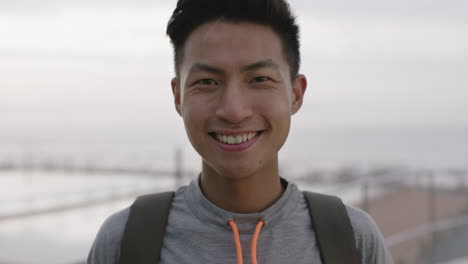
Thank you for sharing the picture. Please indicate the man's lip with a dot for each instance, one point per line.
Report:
(237, 147)
(234, 133)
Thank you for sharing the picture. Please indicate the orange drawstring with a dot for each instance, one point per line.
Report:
(254, 241)
(235, 231)
(236, 240)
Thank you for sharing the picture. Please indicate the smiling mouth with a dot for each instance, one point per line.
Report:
(235, 139)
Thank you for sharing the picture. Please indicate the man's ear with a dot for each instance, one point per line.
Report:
(176, 93)
(299, 88)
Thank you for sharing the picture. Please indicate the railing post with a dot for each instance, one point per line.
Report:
(431, 212)
(178, 173)
(365, 194)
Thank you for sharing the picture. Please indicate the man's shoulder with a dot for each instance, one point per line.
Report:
(114, 225)
(106, 246)
(369, 239)
(362, 222)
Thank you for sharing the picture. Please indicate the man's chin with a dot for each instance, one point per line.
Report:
(234, 171)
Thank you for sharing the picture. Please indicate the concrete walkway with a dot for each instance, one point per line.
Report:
(407, 208)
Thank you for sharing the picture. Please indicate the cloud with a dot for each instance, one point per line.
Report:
(342, 9)
(81, 31)
(384, 38)
(44, 7)
(370, 9)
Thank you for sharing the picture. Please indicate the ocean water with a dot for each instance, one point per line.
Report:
(431, 147)
(307, 147)
(64, 236)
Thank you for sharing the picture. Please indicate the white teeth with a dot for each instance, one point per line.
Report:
(235, 139)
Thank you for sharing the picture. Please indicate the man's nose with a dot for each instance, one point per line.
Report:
(235, 104)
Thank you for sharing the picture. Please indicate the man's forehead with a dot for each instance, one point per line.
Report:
(222, 25)
(243, 45)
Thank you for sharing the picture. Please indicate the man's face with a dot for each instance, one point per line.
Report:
(235, 95)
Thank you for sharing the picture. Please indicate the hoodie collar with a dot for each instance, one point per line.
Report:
(210, 214)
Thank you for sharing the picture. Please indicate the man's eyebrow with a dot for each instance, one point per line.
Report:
(207, 68)
(269, 63)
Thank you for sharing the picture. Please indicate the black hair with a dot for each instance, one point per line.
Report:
(189, 14)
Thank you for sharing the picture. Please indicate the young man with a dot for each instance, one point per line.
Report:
(236, 88)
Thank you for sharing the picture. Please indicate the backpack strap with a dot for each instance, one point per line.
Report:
(144, 231)
(333, 230)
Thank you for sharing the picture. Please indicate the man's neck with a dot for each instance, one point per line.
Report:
(247, 194)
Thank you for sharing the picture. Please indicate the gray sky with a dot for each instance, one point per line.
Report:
(109, 62)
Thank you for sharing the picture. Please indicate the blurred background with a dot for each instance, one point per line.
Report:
(87, 121)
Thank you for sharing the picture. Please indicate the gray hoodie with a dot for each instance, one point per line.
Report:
(197, 232)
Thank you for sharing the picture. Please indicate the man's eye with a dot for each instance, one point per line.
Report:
(206, 82)
(260, 79)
